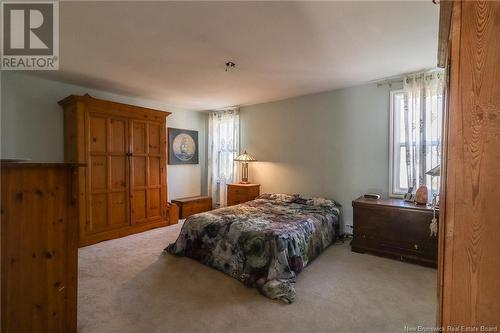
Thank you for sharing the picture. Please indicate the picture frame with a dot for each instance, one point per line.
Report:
(409, 196)
(182, 146)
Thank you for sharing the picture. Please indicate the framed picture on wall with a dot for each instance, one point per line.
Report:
(182, 146)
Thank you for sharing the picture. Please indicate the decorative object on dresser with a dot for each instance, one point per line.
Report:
(123, 189)
(240, 193)
(422, 195)
(373, 196)
(244, 159)
(193, 205)
(409, 196)
(182, 146)
(39, 221)
(394, 228)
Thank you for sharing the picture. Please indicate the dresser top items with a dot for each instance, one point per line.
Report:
(389, 202)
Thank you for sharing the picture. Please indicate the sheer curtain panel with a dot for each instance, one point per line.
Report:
(422, 118)
(224, 146)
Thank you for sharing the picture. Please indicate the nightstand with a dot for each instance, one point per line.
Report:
(239, 193)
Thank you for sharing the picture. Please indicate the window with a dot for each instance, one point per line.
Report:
(399, 178)
(415, 133)
(223, 136)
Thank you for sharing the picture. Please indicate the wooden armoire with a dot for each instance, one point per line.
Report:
(469, 232)
(123, 187)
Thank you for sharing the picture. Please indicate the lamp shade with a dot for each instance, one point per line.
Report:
(245, 157)
(436, 171)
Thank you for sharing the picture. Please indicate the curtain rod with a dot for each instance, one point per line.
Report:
(226, 109)
(389, 82)
(400, 78)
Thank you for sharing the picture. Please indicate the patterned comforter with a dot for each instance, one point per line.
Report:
(264, 243)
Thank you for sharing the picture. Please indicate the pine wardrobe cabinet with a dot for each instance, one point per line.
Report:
(123, 187)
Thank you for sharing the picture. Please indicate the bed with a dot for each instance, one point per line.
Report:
(264, 243)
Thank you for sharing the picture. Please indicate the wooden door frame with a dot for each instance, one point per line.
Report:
(443, 57)
(468, 235)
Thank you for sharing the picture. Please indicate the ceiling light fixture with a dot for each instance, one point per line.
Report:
(230, 65)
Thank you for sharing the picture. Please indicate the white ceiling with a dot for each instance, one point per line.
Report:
(175, 51)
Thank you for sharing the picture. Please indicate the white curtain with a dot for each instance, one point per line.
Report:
(423, 106)
(224, 146)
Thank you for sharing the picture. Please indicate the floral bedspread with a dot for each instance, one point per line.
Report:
(264, 243)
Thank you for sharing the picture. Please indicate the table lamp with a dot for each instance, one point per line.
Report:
(244, 159)
(435, 172)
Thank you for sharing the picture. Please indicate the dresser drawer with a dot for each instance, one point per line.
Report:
(240, 193)
(253, 192)
(401, 246)
(393, 224)
(237, 198)
(373, 241)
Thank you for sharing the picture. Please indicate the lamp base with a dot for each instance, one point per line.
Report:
(244, 173)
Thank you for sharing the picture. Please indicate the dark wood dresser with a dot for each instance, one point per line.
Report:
(39, 219)
(394, 228)
(193, 205)
(240, 193)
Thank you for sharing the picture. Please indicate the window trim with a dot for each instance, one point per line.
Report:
(392, 153)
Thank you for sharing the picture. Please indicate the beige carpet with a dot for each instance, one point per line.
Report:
(130, 285)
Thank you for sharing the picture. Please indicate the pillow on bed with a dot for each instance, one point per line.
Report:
(277, 196)
(315, 201)
(300, 199)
